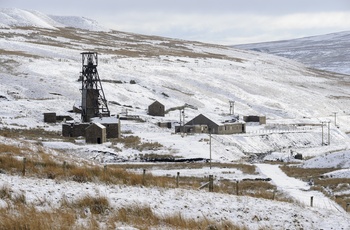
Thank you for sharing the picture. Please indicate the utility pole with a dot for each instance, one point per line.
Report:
(329, 132)
(335, 119)
(232, 107)
(183, 116)
(180, 118)
(182, 121)
(322, 132)
(210, 147)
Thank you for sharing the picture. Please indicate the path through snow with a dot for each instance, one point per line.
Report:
(297, 189)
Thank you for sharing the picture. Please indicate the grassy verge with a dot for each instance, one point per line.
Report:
(140, 217)
(328, 186)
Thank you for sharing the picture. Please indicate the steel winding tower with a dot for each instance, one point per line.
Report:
(93, 103)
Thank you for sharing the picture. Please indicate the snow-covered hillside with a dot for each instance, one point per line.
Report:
(40, 68)
(40, 60)
(10, 17)
(327, 52)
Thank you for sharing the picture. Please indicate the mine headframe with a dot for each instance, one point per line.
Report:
(93, 103)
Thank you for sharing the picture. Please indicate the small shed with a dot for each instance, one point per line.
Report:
(251, 118)
(50, 117)
(156, 109)
(95, 134)
(112, 125)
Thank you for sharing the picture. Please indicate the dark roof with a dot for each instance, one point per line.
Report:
(156, 103)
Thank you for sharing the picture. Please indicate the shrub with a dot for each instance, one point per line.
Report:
(29, 218)
(5, 193)
(97, 205)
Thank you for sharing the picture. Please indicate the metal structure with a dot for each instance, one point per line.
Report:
(93, 103)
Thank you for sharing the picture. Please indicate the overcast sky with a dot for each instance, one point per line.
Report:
(225, 22)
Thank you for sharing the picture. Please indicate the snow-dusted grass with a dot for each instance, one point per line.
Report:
(320, 179)
(96, 213)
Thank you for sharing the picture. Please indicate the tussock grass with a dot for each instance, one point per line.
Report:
(33, 134)
(73, 217)
(134, 142)
(23, 217)
(9, 149)
(142, 217)
(96, 205)
(5, 193)
(258, 189)
(304, 173)
(328, 186)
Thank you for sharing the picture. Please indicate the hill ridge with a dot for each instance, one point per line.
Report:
(14, 17)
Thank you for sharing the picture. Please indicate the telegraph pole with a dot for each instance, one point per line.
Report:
(182, 120)
(232, 107)
(322, 132)
(210, 147)
(329, 132)
(335, 119)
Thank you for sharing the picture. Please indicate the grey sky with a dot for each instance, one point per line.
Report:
(219, 21)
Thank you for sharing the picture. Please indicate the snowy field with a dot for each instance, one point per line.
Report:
(40, 66)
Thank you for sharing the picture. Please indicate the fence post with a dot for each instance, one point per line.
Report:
(65, 168)
(104, 172)
(177, 179)
(211, 185)
(24, 166)
(237, 187)
(144, 177)
(312, 201)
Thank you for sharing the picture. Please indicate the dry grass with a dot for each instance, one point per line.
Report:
(24, 217)
(142, 217)
(32, 134)
(17, 53)
(134, 142)
(327, 186)
(304, 174)
(96, 205)
(73, 216)
(5, 193)
(118, 43)
(258, 189)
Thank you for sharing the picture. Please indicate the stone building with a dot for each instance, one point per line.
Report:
(156, 109)
(95, 134)
(202, 124)
(50, 117)
(111, 124)
(260, 119)
(74, 129)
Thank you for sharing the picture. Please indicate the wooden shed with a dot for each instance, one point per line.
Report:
(95, 134)
(156, 109)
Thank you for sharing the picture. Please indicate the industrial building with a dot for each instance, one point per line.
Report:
(202, 124)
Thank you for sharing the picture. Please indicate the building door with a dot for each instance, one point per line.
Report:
(99, 140)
